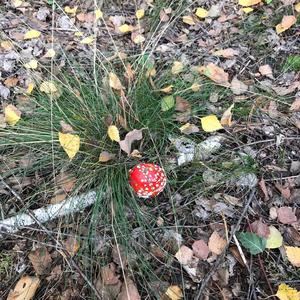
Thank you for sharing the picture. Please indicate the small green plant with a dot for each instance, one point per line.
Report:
(292, 63)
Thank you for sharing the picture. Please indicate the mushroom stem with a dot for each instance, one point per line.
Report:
(48, 213)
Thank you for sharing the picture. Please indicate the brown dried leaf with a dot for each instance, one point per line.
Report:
(189, 128)
(283, 91)
(114, 81)
(11, 81)
(72, 245)
(25, 288)
(238, 87)
(286, 215)
(260, 228)
(131, 136)
(108, 274)
(226, 119)
(129, 73)
(266, 70)
(200, 249)
(295, 106)
(216, 243)
(215, 73)
(164, 17)
(182, 105)
(184, 255)
(263, 187)
(66, 128)
(286, 23)
(227, 53)
(106, 156)
(40, 259)
(129, 291)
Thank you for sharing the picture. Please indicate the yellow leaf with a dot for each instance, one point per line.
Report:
(140, 13)
(48, 87)
(293, 255)
(78, 33)
(70, 143)
(25, 288)
(275, 239)
(286, 23)
(227, 116)
(195, 87)
(30, 88)
(71, 11)
(174, 292)
(177, 67)
(286, 292)
(88, 40)
(137, 38)
(50, 53)
(248, 2)
(125, 28)
(113, 133)
(6, 45)
(98, 14)
(188, 20)
(114, 81)
(247, 10)
(33, 64)
(201, 12)
(32, 34)
(210, 123)
(167, 89)
(297, 7)
(12, 114)
(16, 3)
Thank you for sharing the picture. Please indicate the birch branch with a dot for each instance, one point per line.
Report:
(44, 214)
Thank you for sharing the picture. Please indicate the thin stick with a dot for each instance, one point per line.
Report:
(63, 252)
(219, 260)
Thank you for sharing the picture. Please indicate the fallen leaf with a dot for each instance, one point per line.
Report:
(108, 274)
(31, 34)
(30, 88)
(70, 10)
(6, 45)
(106, 156)
(16, 3)
(72, 245)
(286, 23)
(25, 288)
(188, 20)
(65, 181)
(260, 228)
(200, 249)
(12, 114)
(297, 7)
(177, 67)
(184, 255)
(50, 53)
(140, 13)
(215, 73)
(114, 81)
(98, 14)
(66, 128)
(189, 128)
(87, 40)
(129, 291)
(70, 143)
(125, 28)
(168, 89)
(11, 81)
(174, 292)
(195, 87)
(226, 119)
(286, 292)
(216, 243)
(78, 33)
(48, 87)
(295, 106)
(211, 123)
(131, 136)
(275, 238)
(32, 64)
(129, 73)
(167, 103)
(182, 105)
(252, 242)
(238, 87)
(137, 38)
(248, 2)
(262, 185)
(164, 15)
(40, 260)
(286, 215)
(293, 255)
(283, 91)
(226, 53)
(113, 133)
(266, 70)
(201, 13)
(247, 10)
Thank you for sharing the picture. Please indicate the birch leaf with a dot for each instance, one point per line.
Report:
(32, 64)
(174, 292)
(32, 34)
(286, 292)
(177, 67)
(98, 14)
(48, 87)
(293, 255)
(215, 73)
(50, 53)
(201, 12)
(113, 133)
(12, 114)
(248, 2)
(286, 23)
(140, 13)
(87, 40)
(70, 143)
(226, 119)
(167, 103)
(275, 238)
(211, 123)
(188, 20)
(114, 81)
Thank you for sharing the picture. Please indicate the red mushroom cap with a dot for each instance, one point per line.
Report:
(147, 180)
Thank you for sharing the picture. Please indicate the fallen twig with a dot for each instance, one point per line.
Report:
(219, 260)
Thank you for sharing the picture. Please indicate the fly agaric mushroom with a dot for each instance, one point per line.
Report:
(147, 180)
